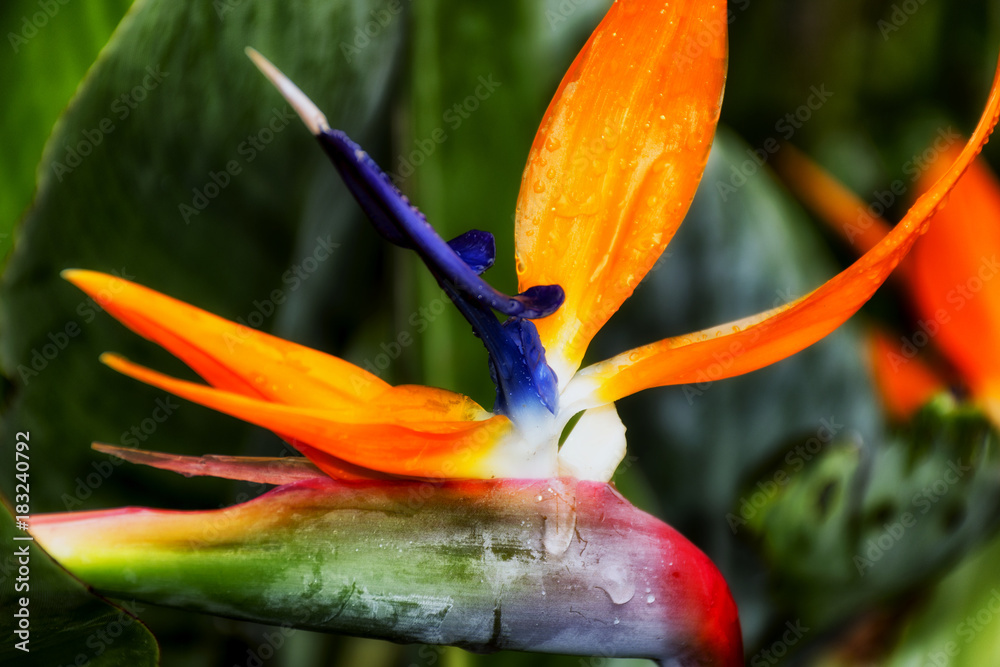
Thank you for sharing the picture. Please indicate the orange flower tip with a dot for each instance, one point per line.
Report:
(307, 110)
(114, 361)
(91, 282)
(88, 281)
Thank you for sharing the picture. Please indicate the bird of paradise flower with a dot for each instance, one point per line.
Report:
(590, 224)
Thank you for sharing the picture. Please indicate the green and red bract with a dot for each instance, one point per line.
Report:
(560, 566)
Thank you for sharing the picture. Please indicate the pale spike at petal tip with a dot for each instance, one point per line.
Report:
(307, 110)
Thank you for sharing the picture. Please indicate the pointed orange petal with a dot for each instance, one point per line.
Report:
(840, 208)
(755, 342)
(955, 275)
(616, 162)
(429, 448)
(229, 355)
(904, 381)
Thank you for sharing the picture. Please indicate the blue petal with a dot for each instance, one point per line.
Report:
(517, 359)
(401, 223)
(477, 249)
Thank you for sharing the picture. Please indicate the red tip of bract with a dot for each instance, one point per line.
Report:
(708, 611)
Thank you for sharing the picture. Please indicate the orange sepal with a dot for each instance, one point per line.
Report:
(229, 355)
(838, 207)
(616, 162)
(240, 359)
(954, 276)
(369, 436)
(755, 342)
(904, 381)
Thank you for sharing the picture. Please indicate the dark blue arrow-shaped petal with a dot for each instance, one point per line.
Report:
(402, 223)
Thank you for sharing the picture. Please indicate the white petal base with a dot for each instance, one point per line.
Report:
(594, 447)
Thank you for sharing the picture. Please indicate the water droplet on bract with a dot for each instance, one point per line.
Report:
(650, 599)
(617, 585)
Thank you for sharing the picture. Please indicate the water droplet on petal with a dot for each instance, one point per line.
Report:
(538, 187)
(650, 599)
(553, 144)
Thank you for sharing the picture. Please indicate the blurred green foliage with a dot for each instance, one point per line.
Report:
(897, 70)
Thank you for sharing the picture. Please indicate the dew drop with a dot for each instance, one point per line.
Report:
(693, 142)
(650, 599)
(553, 144)
(538, 187)
(617, 585)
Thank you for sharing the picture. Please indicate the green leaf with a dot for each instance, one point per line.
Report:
(957, 625)
(845, 533)
(178, 165)
(54, 43)
(66, 623)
